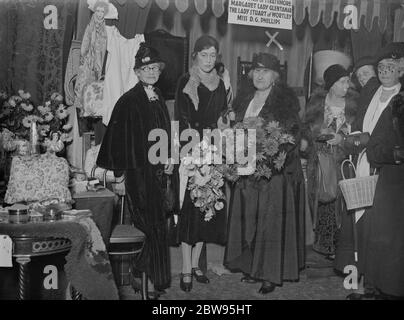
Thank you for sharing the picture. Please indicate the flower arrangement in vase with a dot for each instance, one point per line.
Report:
(18, 113)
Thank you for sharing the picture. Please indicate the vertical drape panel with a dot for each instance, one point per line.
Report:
(31, 55)
(365, 43)
(299, 54)
(399, 25)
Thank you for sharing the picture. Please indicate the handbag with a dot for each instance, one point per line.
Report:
(327, 178)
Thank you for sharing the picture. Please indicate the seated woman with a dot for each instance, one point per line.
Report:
(266, 220)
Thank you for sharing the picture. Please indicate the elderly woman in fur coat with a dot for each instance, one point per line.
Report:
(266, 222)
(329, 115)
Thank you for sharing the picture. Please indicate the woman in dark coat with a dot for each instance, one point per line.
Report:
(200, 101)
(125, 149)
(330, 111)
(383, 258)
(266, 219)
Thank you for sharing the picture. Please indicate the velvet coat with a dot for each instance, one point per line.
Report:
(125, 148)
(266, 220)
(382, 254)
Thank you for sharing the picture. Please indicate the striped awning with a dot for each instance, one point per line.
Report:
(317, 10)
(325, 10)
(218, 6)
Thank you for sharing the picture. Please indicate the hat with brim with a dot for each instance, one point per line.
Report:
(147, 55)
(110, 10)
(267, 61)
(394, 50)
(333, 74)
(364, 61)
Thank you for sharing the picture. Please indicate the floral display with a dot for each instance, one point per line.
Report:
(271, 143)
(18, 112)
(204, 179)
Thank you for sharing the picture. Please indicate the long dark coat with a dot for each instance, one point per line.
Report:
(266, 220)
(383, 249)
(125, 147)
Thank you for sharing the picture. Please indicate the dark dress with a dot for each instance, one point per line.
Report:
(191, 225)
(125, 148)
(327, 214)
(266, 220)
(382, 252)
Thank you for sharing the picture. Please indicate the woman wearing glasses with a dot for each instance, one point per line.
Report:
(125, 149)
(381, 237)
(199, 102)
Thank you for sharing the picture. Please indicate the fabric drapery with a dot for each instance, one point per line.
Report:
(32, 56)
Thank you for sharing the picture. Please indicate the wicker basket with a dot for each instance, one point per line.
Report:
(358, 192)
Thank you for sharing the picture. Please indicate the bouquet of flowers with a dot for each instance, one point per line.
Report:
(271, 144)
(204, 179)
(18, 112)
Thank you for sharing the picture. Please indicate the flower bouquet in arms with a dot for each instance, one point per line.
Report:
(255, 148)
(18, 114)
(205, 180)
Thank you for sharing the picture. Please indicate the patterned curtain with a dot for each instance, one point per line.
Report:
(32, 56)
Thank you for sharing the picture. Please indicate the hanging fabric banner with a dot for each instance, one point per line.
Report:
(262, 13)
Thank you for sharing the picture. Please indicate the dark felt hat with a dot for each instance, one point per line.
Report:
(147, 55)
(364, 61)
(206, 42)
(394, 50)
(266, 60)
(332, 74)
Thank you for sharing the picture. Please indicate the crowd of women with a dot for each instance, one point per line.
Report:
(264, 230)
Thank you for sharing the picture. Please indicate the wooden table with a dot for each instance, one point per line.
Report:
(25, 248)
(47, 238)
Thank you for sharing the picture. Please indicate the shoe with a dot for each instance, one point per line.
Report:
(267, 287)
(248, 279)
(153, 295)
(201, 278)
(185, 286)
(355, 296)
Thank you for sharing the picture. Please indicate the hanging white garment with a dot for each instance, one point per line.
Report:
(119, 74)
(373, 113)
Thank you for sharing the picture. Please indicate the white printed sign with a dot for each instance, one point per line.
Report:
(6, 248)
(262, 13)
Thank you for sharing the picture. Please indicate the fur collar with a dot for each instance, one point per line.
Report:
(281, 104)
(315, 107)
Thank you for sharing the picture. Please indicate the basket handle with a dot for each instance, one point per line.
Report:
(342, 167)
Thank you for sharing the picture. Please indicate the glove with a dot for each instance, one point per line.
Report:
(398, 153)
(357, 140)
